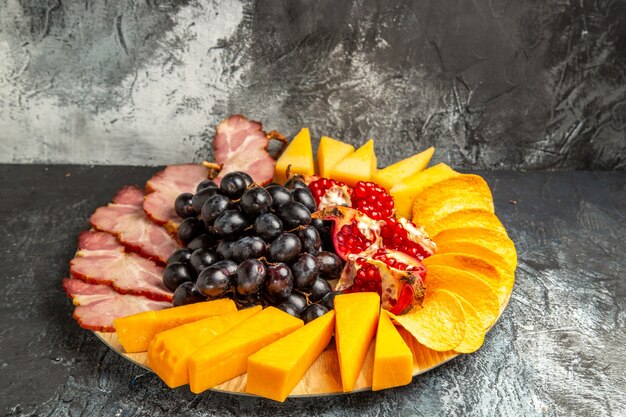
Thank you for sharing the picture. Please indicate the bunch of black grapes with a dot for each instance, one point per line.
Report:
(257, 245)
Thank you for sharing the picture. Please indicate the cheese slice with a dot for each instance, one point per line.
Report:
(393, 360)
(169, 351)
(136, 331)
(356, 318)
(359, 166)
(393, 174)
(404, 192)
(329, 152)
(297, 158)
(276, 369)
(226, 356)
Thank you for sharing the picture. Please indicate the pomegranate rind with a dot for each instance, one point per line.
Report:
(336, 195)
(393, 280)
(341, 216)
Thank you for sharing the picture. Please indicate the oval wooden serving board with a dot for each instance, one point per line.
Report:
(323, 376)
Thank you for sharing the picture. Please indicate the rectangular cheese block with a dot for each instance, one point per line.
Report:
(136, 331)
(169, 351)
(275, 370)
(226, 356)
(356, 318)
(393, 360)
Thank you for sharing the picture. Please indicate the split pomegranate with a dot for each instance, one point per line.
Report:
(398, 278)
(403, 235)
(352, 231)
(373, 200)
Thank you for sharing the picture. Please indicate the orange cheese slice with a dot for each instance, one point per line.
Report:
(169, 351)
(355, 324)
(135, 332)
(226, 356)
(296, 159)
(276, 369)
(393, 360)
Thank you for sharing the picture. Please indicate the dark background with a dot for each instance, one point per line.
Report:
(493, 84)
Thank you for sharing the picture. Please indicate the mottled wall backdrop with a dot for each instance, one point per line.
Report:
(491, 83)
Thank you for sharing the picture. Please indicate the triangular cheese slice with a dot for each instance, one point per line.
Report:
(393, 174)
(276, 369)
(359, 166)
(393, 360)
(356, 318)
(297, 158)
(329, 152)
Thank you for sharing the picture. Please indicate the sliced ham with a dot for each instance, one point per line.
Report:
(98, 305)
(241, 145)
(125, 218)
(101, 259)
(165, 186)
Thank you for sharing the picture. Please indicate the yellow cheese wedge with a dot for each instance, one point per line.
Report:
(276, 369)
(404, 192)
(329, 152)
(135, 332)
(393, 360)
(226, 356)
(356, 318)
(393, 174)
(297, 158)
(169, 351)
(359, 166)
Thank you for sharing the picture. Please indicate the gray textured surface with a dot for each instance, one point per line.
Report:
(491, 83)
(558, 349)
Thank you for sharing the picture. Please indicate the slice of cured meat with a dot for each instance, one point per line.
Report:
(101, 259)
(98, 305)
(165, 186)
(241, 145)
(125, 218)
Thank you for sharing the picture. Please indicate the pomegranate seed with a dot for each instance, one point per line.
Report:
(373, 200)
(367, 280)
(396, 236)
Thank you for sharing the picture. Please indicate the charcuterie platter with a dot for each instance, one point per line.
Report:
(294, 276)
